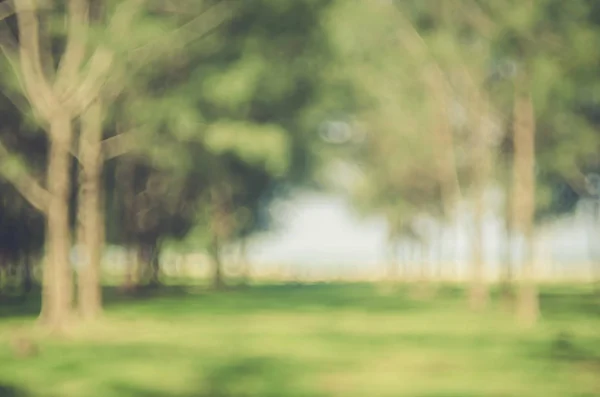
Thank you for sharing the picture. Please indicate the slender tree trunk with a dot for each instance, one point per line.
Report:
(422, 287)
(479, 295)
(3, 272)
(444, 145)
(27, 283)
(594, 234)
(244, 262)
(392, 268)
(125, 180)
(155, 265)
(90, 233)
(217, 276)
(506, 272)
(440, 255)
(524, 201)
(415, 260)
(57, 291)
(143, 260)
(389, 278)
(425, 271)
(130, 280)
(220, 231)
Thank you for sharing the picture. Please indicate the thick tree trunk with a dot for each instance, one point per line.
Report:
(524, 201)
(90, 234)
(57, 291)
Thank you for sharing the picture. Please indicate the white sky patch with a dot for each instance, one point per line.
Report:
(322, 231)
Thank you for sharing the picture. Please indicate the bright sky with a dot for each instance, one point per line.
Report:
(322, 230)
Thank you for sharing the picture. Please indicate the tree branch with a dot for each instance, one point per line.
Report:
(76, 41)
(172, 7)
(10, 49)
(121, 144)
(81, 95)
(23, 181)
(89, 89)
(7, 8)
(199, 26)
(576, 181)
(36, 84)
(9, 43)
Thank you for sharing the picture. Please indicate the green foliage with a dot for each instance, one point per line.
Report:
(257, 144)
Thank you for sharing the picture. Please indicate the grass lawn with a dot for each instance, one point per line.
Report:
(309, 340)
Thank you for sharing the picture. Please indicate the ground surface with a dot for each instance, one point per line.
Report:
(318, 340)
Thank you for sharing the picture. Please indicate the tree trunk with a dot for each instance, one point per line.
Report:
(478, 295)
(506, 272)
(444, 146)
(3, 271)
(130, 280)
(422, 288)
(143, 260)
(524, 200)
(155, 265)
(27, 283)
(57, 290)
(244, 262)
(593, 241)
(440, 255)
(217, 280)
(221, 227)
(392, 268)
(125, 181)
(90, 232)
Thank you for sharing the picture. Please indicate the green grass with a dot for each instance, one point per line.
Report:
(309, 340)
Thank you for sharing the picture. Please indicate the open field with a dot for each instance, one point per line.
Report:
(309, 340)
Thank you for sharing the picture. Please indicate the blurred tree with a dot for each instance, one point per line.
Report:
(21, 225)
(541, 43)
(248, 100)
(157, 34)
(57, 95)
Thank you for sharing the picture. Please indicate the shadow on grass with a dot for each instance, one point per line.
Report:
(185, 299)
(20, 306)
(569, 303)
(11, 391)
(245, 377)
(291, 298)
(566, 348)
